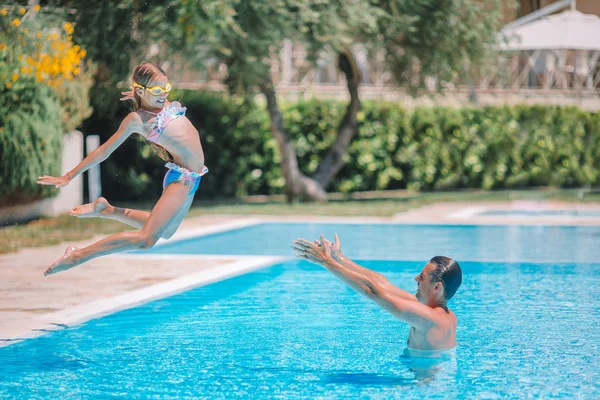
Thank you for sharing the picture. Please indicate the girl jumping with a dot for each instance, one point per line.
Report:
(175, 139)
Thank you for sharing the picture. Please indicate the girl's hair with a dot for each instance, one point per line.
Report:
(143, 74)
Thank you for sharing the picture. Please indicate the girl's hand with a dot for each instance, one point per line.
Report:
(127, 95)
(313, 252)
(57, 181)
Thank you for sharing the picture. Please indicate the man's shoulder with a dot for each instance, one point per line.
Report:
(445, 315)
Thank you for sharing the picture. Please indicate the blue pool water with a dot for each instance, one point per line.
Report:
(409, 242)
(526, 329)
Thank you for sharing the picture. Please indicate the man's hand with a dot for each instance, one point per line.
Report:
(335, 247)
(314, 252)
(57, 181)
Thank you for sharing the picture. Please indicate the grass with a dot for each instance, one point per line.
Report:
(49, 231)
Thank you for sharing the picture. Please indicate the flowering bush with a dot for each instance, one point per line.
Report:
(32, 48)
(43, 94)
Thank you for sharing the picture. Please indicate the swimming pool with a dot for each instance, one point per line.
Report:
(408, 242)
(526, 328)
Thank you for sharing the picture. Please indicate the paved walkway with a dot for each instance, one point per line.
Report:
(26, 295)
(30, 302)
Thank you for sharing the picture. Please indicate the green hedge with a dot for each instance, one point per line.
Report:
(431, 148)
(30, 143)
(428, 148)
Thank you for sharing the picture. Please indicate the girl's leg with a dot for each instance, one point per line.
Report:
(176, 221)
(173, 199)
(101, 208)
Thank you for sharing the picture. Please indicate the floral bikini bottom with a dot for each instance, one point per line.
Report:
(180, 174)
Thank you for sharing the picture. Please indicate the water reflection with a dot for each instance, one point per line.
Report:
(423, 367)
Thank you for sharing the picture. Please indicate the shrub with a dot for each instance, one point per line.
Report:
(43, 94)
(426, 148)
(30, 146)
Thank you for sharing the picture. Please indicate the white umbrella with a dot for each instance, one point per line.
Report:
(571, 30)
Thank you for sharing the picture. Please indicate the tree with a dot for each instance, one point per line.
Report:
(114, 32)
(422, 38)
(438, 38)
(245, 35)
(252, 33)
(339, 25)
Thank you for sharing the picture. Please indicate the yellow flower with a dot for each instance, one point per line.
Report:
(20, 57)
(36, 7)
(15, 77)
(16, 22)
(2, 46)
(4, 11)
(38, 35)
(68, 27)
(9, 85)
(22, 11)
(26, 30)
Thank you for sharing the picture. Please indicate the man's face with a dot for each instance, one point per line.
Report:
(425, 288)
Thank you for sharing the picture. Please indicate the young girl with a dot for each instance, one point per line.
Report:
(176, 140)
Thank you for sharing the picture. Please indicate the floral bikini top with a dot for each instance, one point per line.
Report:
(170, 112)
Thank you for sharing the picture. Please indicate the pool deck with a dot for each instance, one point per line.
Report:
(31, 304)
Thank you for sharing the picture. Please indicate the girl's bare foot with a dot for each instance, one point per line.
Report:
(91, 209)
(67, 261)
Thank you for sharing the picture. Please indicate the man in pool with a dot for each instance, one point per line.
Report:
(433, 325)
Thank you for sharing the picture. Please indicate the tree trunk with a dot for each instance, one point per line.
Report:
(348, 129)
(297, 185)
(473, 98)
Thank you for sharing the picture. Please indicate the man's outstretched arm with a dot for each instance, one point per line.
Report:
(336, 253)
(412, 312)
(376, 277)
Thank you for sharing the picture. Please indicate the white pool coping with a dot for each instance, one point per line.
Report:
(84, 312)
(471, 212)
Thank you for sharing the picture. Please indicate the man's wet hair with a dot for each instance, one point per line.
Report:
(448, 272)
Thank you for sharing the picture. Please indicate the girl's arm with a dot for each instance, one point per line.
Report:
(130, 125)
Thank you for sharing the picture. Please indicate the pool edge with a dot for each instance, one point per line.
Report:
(81, 313)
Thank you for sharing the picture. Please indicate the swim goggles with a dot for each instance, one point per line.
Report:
(154, 90)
